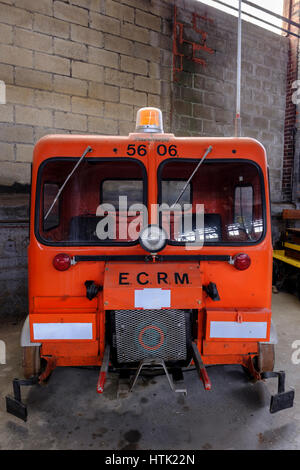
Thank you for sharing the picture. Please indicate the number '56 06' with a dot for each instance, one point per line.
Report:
(161, 149)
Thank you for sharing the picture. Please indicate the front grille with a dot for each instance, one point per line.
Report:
(141, 334)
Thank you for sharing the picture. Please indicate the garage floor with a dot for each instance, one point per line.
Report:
(69, 414)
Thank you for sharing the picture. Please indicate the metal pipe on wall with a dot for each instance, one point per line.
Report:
(238, 77)
(265, 10)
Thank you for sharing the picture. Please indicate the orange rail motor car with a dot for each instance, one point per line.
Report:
(138, 288)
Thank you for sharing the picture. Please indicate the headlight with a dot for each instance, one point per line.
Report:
(153, 238)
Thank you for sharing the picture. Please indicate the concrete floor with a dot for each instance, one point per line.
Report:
(69, 414)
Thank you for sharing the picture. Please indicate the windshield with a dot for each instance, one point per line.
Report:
(230, 193)
(89, 209)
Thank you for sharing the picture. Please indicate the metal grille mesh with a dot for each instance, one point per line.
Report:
(142, 334)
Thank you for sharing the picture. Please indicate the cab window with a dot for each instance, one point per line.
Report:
(231, 195)
(243, 206)
(87, 210)
(112, 189)
(50, 190)
(171, 189)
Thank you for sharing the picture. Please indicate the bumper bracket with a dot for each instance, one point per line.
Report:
(161, 363)
(200, 367)
(103, 370)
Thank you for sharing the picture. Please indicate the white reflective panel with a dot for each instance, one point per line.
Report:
(231, 329)
(43, 331)
(152, 298)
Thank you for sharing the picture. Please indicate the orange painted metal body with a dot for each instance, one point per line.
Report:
(56, 296)
(184, 295)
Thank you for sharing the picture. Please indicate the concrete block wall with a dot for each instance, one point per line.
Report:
(204, 97)
(78, 66)
(14, 238)
(86, 66)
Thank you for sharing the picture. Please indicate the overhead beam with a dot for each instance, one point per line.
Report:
(283, 18)
(262, 20)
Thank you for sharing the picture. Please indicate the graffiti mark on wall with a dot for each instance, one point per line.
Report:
(179, 40)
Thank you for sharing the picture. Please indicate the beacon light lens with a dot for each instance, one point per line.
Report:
(149, 120)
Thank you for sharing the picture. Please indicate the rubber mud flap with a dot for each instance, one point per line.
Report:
(16, 408)
(281, 401)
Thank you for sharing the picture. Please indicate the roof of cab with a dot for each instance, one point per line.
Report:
(73, 145)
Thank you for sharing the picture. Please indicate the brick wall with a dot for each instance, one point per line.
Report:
(291, 10)
(291, 163)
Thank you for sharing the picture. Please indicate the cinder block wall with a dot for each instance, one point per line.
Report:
(82, 66)
(86, 66)
(204, 97)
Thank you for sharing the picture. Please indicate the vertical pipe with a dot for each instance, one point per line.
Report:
(289, 14)
(238, 74)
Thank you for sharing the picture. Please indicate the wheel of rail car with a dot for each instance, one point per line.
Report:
(266, 357)
(31, 361)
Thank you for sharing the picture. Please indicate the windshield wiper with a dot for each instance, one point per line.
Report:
(87, 150)
(192, 175)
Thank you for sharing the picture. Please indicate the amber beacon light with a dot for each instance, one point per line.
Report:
(149, 120)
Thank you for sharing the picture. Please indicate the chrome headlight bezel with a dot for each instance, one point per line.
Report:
(153, 247)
